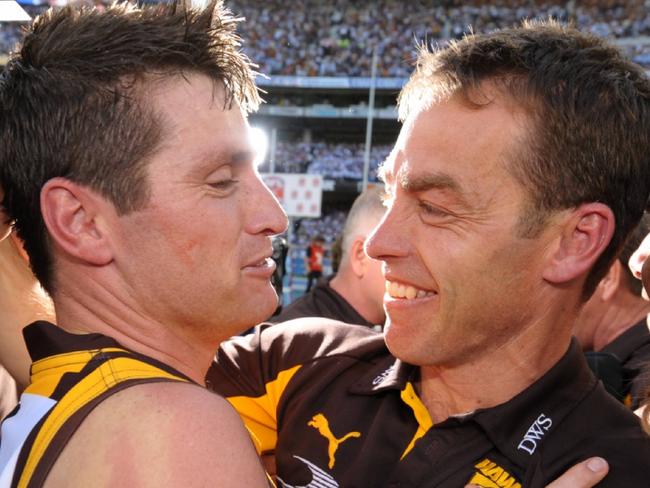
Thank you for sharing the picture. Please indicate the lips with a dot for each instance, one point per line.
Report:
(395, 289)
(265, 262)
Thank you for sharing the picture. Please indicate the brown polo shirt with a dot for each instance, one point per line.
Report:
(339, 410)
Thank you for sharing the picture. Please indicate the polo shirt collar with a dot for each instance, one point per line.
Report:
(517, 427)
(388, 374)
(44, 339)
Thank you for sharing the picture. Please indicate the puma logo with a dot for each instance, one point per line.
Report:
(320, 422)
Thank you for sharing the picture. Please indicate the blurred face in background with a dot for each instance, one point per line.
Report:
(637, 262)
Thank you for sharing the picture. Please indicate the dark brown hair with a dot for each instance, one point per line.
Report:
(588, 111)
(73, 101)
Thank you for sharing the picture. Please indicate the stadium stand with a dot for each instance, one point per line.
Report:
(335, 38)
(332, 160)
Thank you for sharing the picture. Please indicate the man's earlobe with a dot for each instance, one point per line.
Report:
(586, 233)
(72, 217)
(358, 256)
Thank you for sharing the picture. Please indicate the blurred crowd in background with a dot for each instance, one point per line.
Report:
(332, 160)
(337, 38)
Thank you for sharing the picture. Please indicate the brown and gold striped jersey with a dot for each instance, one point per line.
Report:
(70, 375)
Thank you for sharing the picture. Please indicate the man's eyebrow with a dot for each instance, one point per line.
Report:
(217, 158)
(242, 156)
(431, 181)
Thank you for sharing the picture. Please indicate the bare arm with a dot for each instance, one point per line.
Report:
(586, 474)
(160, 435)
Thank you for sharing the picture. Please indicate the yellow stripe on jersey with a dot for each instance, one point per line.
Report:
(421, 415)
(106, 376)
(260, 413)
(46, 373)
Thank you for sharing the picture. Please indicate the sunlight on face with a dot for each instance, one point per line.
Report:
(260, 143)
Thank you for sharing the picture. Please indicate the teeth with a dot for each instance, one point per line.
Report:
(400, 290)
(263, 262)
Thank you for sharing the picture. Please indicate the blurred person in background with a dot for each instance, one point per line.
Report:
(314, 256)
(613, 327)
(279, 256)
(130, 179)
(640, 267)
(520, 169)
(8, 393)
(355, 293)
(22, 300)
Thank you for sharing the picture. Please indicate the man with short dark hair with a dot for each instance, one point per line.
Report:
(520, 169)
(130, 178)
(355, 294)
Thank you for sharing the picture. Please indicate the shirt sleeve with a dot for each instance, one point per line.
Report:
(257, 373)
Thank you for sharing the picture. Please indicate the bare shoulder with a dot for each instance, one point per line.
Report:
(160, 434)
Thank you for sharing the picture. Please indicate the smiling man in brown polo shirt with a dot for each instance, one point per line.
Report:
(520, 169)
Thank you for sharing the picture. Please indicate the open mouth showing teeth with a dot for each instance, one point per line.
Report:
(400, 290)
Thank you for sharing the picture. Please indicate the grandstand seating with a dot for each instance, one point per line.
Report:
(336, 38)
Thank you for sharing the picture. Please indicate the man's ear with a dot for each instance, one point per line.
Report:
(586, 233)
(357, 256)
(74, 220)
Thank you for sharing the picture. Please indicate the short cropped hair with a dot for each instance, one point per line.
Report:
(73, 101)
(368, 205)
(588, 111)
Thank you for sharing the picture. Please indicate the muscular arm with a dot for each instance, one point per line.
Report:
(160, 435)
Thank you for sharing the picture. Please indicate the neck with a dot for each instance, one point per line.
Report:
(622, 313)
(92, 309)
(496, 375)
(346, 284)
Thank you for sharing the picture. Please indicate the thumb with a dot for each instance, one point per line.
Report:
(583, 475)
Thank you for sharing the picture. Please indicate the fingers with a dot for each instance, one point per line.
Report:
(583, 475)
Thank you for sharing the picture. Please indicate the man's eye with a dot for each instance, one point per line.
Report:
(223, 184)
(431, 210)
